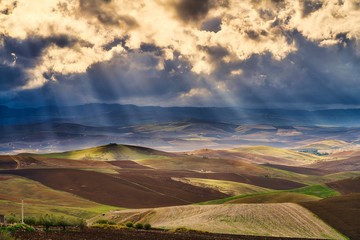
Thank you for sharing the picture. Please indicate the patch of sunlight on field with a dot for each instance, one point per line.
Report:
(279, 153)
(273, 219)
(227, 187)
(107, 153)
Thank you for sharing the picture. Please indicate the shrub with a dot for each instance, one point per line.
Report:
(47, 221)
(139, 226)
(147, 226)
(30, 220)
(19, 227)
(101, 221)
(104, 221)
(187, 230)
(12, 218)
(129, 224)
(107, 226)
(63, 222)
(81, 223)
(6, 236)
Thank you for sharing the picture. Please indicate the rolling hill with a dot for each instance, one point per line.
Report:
(110, 152)
(280, 220)
(346, 186)
(303, 194)
(40, 199)
(340, 212)
(134, 191)
(261, 155)
(87, 182)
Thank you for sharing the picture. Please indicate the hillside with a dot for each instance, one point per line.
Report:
(346, 164)
(40, 199)
(326, 145)
(303, 194)
(340, 212)
(38, 162)
(261, 155)
(110, 152)
(88, 182)
(346, 186)
(281, 220)
(227, 187)
(127, 190)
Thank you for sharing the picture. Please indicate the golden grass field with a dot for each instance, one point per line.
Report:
(277, 219)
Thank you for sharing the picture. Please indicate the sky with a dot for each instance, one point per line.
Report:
(249, 53)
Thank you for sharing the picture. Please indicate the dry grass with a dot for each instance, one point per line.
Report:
(281, 220)
(294, 157)
(201, 164)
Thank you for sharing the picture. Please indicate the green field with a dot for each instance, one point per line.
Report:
(308, 193)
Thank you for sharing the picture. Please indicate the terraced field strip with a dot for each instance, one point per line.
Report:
(227, 187)
(303, 194)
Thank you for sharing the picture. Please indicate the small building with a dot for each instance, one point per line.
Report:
(2, 219)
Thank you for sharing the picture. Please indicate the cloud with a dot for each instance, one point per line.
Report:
(124, 50)
(103, 11)
(189, 10)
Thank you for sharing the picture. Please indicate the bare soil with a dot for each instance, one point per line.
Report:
(339, 212)
(346, 186)
(301, 170)
(101, 234)
(343, 165)
(141, 188)
(261, 181)
(130, 191)
(7, 162)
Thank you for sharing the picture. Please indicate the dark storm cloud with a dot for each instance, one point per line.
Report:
(21, 55)
(117, 41)
(310, 76)
(310, 6)
(137, 76)
(103, 10)
(11, 77)
(147, 47)
(32, 47)
(189, 10)
(211, 25)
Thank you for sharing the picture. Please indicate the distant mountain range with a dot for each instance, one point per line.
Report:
(125, 115)
(52, 128)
